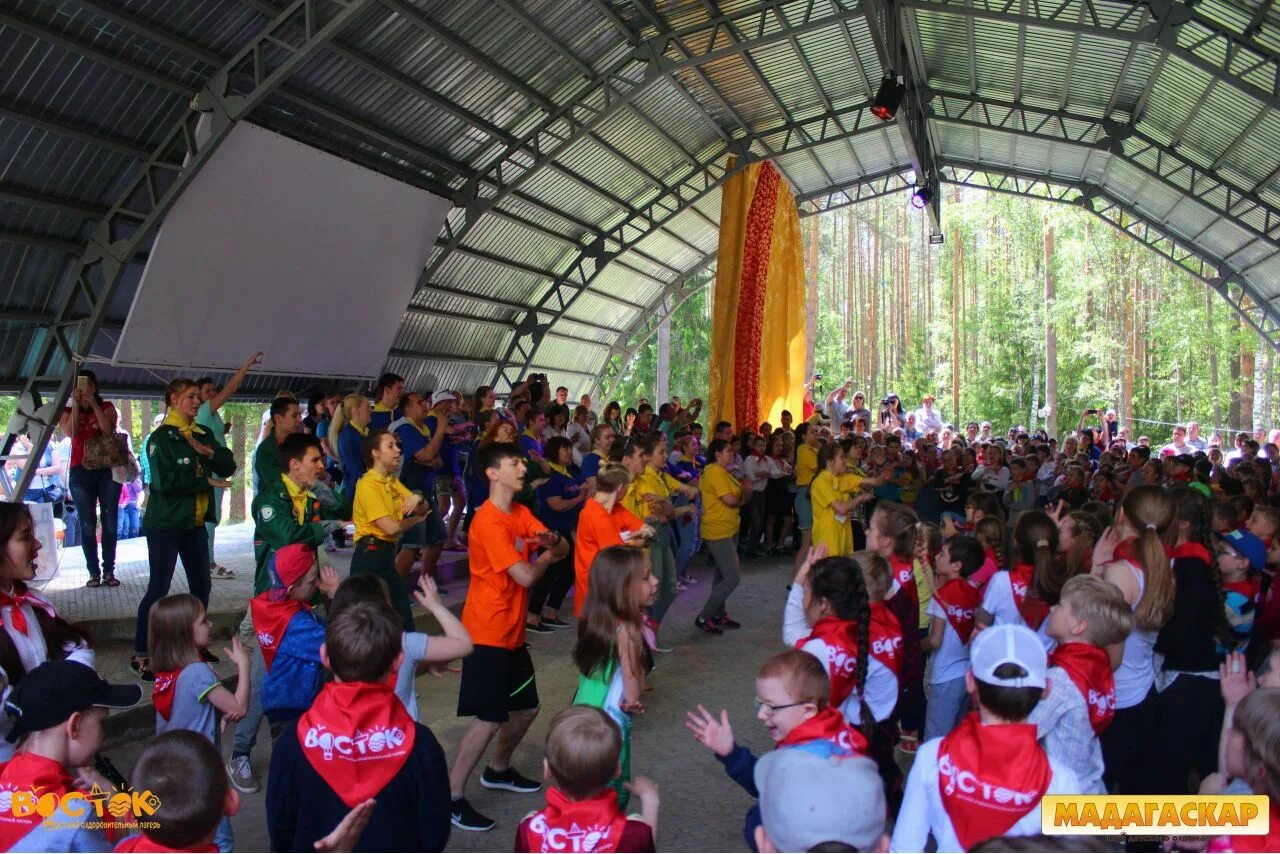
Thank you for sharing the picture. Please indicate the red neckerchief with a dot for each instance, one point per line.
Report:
(1032, 608)
(1090, 671)
(841, 638)
(960, 601)
(20, 596)
(886, 638)
(1270, 841)
(357, 736)
(1250, 588)
(162, 691)
(27, 772)
(828, 725)
(594, 824)
(141, 843)
(271, 613)
(906, 577)
(990, 777)
(1191, 550)
(1128, 550)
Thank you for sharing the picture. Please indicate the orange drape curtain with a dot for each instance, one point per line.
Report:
(758, 309)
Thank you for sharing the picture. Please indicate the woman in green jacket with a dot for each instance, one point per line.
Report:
(183, 457)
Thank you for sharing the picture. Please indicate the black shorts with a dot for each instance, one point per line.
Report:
(496, 682)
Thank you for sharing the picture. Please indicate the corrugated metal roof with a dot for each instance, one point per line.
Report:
(506, 98)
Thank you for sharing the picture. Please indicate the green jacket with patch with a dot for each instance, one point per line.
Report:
(179, 476)
(276, 525)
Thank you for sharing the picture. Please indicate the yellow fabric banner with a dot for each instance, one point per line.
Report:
(766, 240)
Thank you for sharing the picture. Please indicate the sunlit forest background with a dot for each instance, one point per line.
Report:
(970, 322)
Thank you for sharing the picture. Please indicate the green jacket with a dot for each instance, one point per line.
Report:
(179, 475)
(276, 526)
(266, 461)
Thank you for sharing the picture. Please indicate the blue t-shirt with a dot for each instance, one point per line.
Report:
(413, 474)
(559, 486)
(380, 418)
(448, 450)
(590, 465)
(350, 448)
(530, 445)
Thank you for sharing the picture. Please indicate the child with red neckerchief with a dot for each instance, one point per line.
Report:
(357, 744)
(792, 701)
(187, 694)
(290, 633)
(1022, 594)
(951, 790)
(891, 533)
(582, 811)
(1090, 618)
(1241, 558)
(58, 710)
(952, 612)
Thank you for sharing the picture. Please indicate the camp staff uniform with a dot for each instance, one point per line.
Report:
(285, 513)
(380, 496)
(663, 558)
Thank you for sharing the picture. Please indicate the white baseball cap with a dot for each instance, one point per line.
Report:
(1008, 643)
(807, 799)
(441, 396)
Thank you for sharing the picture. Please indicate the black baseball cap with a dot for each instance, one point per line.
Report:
(56, 690)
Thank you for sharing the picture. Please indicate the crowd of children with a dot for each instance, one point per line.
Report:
(990, 615)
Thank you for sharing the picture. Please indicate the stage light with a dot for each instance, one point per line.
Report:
(921, 197)
(888, 98)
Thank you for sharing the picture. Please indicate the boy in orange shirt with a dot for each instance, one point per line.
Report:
(498, 686)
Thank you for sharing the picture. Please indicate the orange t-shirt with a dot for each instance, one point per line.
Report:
(597, 529)
(496, 602)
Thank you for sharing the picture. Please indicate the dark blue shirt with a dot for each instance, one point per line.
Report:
(448, 450)
(530, 445)
(413, 474)
(590, 465)
(559, 486)
(381, 420)
(296, 672)
(350, 448)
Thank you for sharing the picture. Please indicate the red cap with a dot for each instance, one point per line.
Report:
(293, 562)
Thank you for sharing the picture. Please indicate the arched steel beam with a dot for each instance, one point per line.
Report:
(668, 202)
(258, 69)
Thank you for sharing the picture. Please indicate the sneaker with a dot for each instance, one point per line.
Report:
(555, 623)
(726, 622)
(241, 774)
(681, 587)
(142, 669)
(537, 628)
(464, 817)
(510, 780)
(222, 573)
(688, 579)
(908, 741)
(708, 626)
(657, 646)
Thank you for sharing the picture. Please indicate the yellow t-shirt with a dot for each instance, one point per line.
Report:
(719, 520)
(825, 489)
(806, 465)
(377, 496)
(648, 481)
(924, 591)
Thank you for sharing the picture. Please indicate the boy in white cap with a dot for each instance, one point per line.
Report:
(807, 800)
(987, 776)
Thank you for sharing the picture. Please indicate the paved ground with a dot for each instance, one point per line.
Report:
(702, 809)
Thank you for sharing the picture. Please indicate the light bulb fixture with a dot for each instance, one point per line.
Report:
(921, 196)
(888, 97)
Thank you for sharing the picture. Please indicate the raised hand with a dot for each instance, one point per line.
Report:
(329, 581)
(347, 833)
(427, 595)
(716, 735)
(1235, 680)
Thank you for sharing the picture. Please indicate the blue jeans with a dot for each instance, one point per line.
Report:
(247, 728)
(664, 569)
(129, 523)
(163, 550)
(89, 488)
(222, 836)
(686, 535)
(211, 527)
(948, 701)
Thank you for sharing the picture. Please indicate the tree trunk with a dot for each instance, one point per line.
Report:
(144, 417)
(1248, 356)
(126, 421)
(850, 285)
(1213, 358)
(873, 299)
(242, 477)
(957, 285)
(1233, 410)
(1050, 334)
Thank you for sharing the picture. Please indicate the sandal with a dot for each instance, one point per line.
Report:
(93, 582)
(224, 573)
(111, 581)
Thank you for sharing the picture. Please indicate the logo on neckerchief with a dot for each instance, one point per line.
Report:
(828, 725)
(904, 574)
(1032, 608)
(357, 736)
(960, 601)
(841, 638)
(271, 613)
(886, 638)
(1090, 671)
(590, 825)
(989, 777)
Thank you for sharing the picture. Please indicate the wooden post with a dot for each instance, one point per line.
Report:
(1050, 333)
(243, 471)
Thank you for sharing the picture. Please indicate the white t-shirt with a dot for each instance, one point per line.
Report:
(922, 812)
(32, 652)
(998, 601)
(882, 683)
(951, 659)
(414, 645)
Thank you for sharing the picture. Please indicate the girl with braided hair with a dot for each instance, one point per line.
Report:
(1023, 593)
(1193, 644)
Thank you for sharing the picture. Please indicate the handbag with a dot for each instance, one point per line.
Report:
(104, 452)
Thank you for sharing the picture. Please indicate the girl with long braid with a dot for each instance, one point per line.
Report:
(1193, 645)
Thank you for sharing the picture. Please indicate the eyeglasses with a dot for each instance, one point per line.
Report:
(770, 709)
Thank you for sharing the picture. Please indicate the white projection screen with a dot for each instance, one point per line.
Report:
(276, 246)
